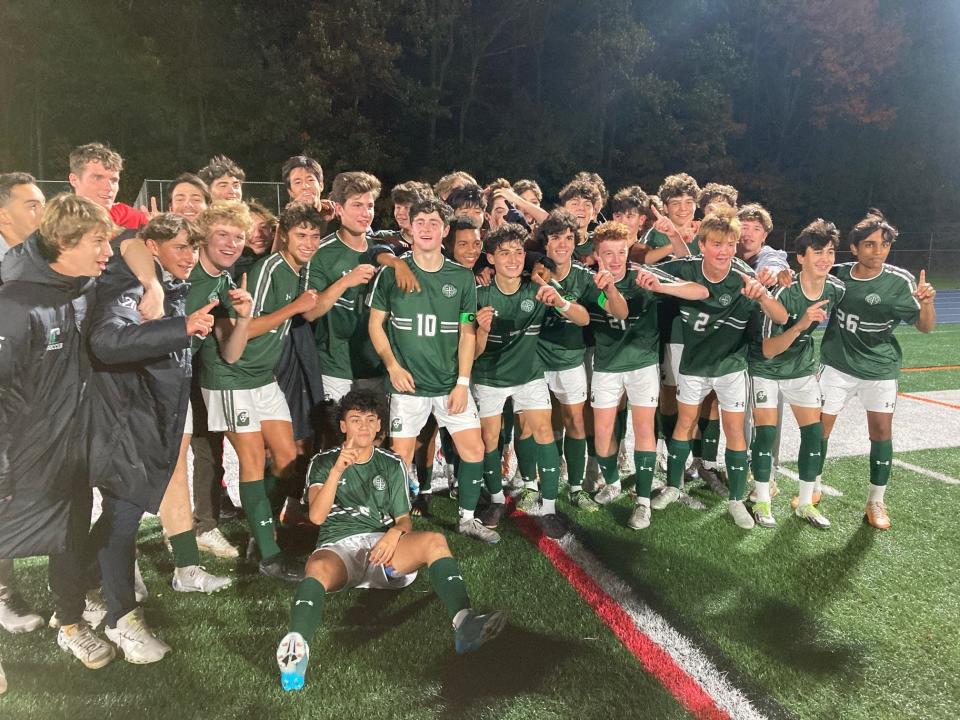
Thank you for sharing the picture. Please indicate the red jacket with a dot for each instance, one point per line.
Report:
(128, 217)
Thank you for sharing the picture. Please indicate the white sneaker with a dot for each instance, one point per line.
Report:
(607, 495)
(473, 528)
(741, 516)
(85, 646)
(140, 591)
(639, 518)
(667, 496)
(93, 612)
(213, 542)
(16, 616)
(135, 640)
(194, 578)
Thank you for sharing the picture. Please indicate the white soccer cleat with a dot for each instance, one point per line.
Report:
(609, 494)
(135, 640)
(473, 528)
(293, 653)
(16, 616)
(214, 542)
(81, 642)
(639, 518)
(195, 578)
(741, 516)
(665, 497)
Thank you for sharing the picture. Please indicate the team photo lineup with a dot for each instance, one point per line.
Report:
(526, 356)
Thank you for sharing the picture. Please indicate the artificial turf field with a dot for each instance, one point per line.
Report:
(846, 623)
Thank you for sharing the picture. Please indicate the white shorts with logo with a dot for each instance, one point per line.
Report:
(838, 387)
(731, 390)
(670, 367)
(569, 386)
(361, 573)
(801, 392)
(335, 388)
(533, 395)
(642, 387)
(409, 413)
(242, 411)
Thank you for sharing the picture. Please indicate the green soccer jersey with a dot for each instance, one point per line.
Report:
(859, 338)
(275, 284)
(510, 356)
(562, 345)
(670, 322)
(799, 360)
(585, 249)
(205, 288)
(424, 327)
(370, 495)
(343, 343)
(715, 336)
(631, 344)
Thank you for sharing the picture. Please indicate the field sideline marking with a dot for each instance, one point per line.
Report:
(683, 670)
(929, 473)
(910, 396)
(931, 368)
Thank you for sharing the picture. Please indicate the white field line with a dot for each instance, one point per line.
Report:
(929, 473)
(653, 625)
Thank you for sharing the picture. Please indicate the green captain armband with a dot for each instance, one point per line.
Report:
(467, 317)
(602, 301)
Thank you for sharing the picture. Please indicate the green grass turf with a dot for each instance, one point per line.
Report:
(380, 654)
(847, 623)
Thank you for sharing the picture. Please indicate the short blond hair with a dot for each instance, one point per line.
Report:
(226, 212)
(80, 156)
(611, 231)
(722, 222)
(66, 219)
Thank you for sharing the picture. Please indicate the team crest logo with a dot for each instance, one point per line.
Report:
(396, 425)
(379, 483)
(527, 305)
(761, 396)
(872, 299)
(448, 290)
(212, 296)
(53, 339)
(725, 299)
(243, 418)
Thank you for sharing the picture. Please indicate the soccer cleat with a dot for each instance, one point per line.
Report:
(583, 501)
(639, 518)
(475, 630)
(140, 591)
(94, 611)
(552, 526)
(876, 514)
(80, 641)
(817, 497)
(529, 501)
(667, 496)
(762, 514)
(135, 640)
(493, 514)
(813, 516)
(473, 528)
(282, 567)
(214, 542)
(420, 507)
(16, 616)
(195, 578)
(293, 653)
(714, 478)
(609, 494)
(774, 491)
(741, 516)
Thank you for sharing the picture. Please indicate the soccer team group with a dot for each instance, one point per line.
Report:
(486, 325)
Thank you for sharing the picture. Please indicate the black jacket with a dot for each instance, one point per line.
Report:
(43, 371)
(139, 388)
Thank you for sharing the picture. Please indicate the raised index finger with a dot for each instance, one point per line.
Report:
(243, 282)
(210, 305)
(923, 277)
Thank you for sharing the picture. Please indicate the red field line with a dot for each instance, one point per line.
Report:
(941, 403)
(932, 368)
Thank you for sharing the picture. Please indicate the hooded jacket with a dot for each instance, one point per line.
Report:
(139, 388)
(43, 374)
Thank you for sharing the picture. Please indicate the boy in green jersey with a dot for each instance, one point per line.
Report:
(428, 352)
(561, 347)
(715, 353)
(512, 312)
(625, 363)
(243, 398)
(358, 496)
(860, 354)
(581, 198)
(783, 366)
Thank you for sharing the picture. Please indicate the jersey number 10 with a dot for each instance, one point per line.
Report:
(426, 325)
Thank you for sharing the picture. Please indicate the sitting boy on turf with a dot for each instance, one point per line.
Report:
(782, 363)
(512, 311)
(715, 353)
(859, 353)
(358, 497)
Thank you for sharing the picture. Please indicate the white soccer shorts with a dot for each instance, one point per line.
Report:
(242, 411)
(335, 388)
(837, 388)
(799, 392)
(642, 387)
(533, 395)
(409, 413)
(568, 386)
(731, 390)
(354, 551)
